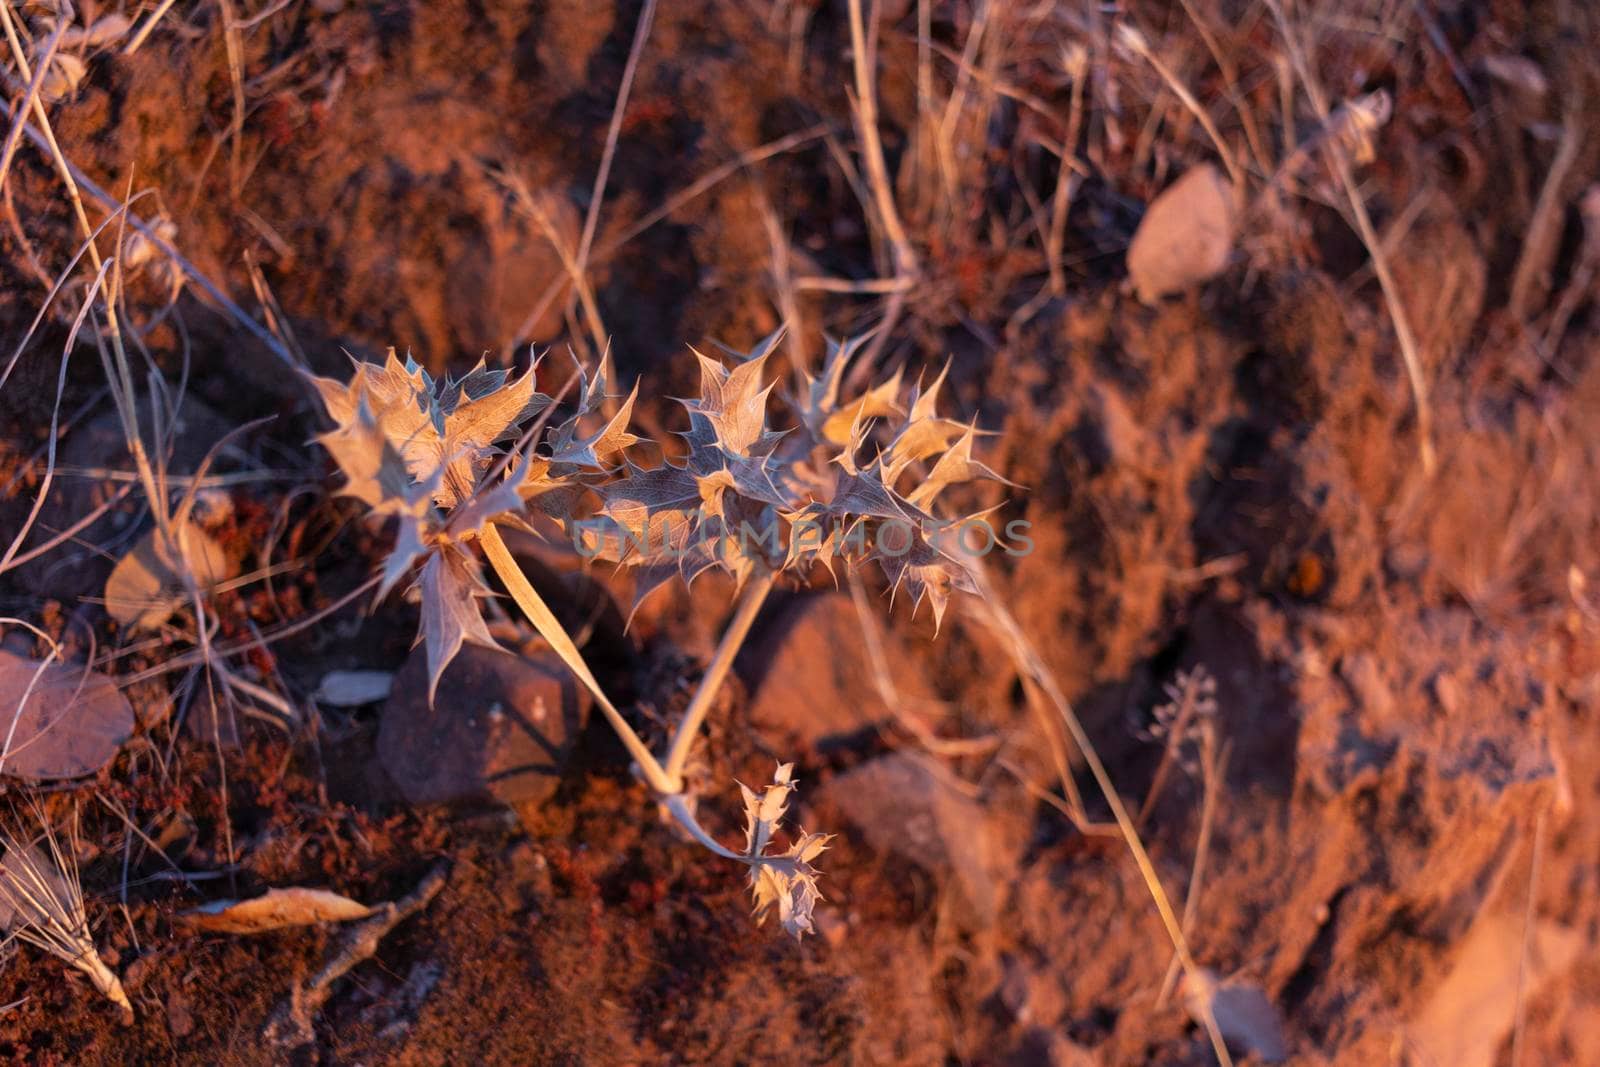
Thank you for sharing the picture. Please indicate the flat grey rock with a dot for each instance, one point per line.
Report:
(811, 679)
(501, 728)
(901, 807)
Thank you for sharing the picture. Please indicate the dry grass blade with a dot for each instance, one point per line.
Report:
(906, 264)
(597, 195)
(677, 201)
(77, 180)
(1529, 917)
(150, 24)
(1135, 41)
(30, 97)
(235, 52)
(7, 560)
(1531, 282)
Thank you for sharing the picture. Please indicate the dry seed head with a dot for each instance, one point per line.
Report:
(41, 902)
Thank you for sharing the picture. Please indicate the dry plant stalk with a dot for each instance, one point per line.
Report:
(1032, 666)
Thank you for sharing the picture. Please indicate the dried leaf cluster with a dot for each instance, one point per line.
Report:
(784, 881)
(445, 458)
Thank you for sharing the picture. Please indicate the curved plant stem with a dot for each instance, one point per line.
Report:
(550, 628)
(732, 639)
(677, 804)
(668, 784)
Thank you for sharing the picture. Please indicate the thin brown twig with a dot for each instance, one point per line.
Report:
(292, 1023)
(641, 33)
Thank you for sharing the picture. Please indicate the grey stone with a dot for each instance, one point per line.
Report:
(501, 728)
(901, 807)
(811, 679)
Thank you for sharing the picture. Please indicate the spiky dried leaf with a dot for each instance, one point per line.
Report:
(953, 467)
(926, 573)
(785, 882)
(450, 587)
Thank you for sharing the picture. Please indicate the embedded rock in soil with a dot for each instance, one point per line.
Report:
(501, 728)
(901, 806)
(1186, 236)
(812, 682)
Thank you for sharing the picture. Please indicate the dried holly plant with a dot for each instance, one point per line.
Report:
(851, 481)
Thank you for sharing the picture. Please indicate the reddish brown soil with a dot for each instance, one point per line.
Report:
(1408, 672)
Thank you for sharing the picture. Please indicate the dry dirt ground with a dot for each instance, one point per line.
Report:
(1396, 780)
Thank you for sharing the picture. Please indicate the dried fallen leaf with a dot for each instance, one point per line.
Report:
(58, 720)
(275, 909)
(1472, 1009)
(145, 588)
(1186, 236)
